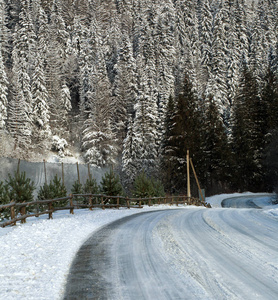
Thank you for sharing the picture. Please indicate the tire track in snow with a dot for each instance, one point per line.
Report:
(192, 253)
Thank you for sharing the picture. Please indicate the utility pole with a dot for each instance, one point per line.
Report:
(188, 175)
(197, 181)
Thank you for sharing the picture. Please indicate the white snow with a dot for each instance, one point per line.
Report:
(35, 257)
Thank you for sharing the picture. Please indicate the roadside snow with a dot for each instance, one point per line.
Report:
(215, 201)
(36, 257)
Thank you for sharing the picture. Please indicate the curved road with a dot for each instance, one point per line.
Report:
(192, 253)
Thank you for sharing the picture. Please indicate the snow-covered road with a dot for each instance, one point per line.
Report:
(222, 253)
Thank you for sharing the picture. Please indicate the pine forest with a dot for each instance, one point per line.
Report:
(134, 84)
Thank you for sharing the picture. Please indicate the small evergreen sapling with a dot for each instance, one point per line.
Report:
(20, 189)
(4, 199)
(110, 184)
(55, 189)
(91, 186)
(77, 188)
(145, 187)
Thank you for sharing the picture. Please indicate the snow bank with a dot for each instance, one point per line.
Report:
(215, 201)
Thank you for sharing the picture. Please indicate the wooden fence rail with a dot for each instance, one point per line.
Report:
(18, 211)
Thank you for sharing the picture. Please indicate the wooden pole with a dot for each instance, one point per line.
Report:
(118, 202)
(71, 205)
(18, 166)
(188, 175)
(89, 173)
(91, 202)
(78, 172)
(13, 214)
(45, 180)
(197, 181)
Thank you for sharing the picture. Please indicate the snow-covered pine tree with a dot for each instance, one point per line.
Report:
(206, 40)
(217, 80)
(217, 155)
(98, 138)
(186, 133)
(165, 53)
(168, 146)
(124, 89)
(55, 71)
(129, 166)
(146, 123)
(3, 93)
(247, 132)
(41, 114)
(270, 93)
(19, 121)
(4, 31)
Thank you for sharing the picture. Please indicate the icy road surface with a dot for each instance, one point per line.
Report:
(219, 253)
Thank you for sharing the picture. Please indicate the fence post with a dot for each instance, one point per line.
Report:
(177, 203)
(102, 204)
(118, 202)
(78, 175)
(50, 210)
(127, 203)
(140, 204)
(23, 212)
(90, 202)
(172, 201)
(71, 204)
(13, 213)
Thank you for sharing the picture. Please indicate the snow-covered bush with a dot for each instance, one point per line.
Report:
(59, 145)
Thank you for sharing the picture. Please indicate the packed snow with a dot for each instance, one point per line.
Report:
(36, 256)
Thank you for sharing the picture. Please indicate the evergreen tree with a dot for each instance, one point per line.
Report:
(217, 156)
(145, 125)
(186, 133)
(110, 184)
(91, 186)
(19, 122)
(4, 31)
(270, 93)
(124, 89)
(98, 140)
(20, 188)
(4, 199)
(168, 146)
(77, 188)
(55, 189)
(41, 113)
(248, 132)
(129, 166)
(217, 80)
(55, 71)
(143, 187)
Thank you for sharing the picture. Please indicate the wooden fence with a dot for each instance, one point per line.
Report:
(18, 211)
